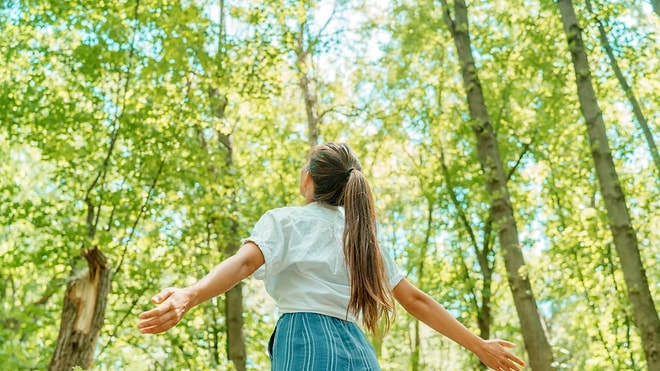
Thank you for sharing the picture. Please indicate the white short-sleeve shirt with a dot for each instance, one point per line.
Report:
(304, 269)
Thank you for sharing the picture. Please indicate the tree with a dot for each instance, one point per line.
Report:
(623, 234)
(83, 312)
(305, 46)
(537, 345)
(228, 238)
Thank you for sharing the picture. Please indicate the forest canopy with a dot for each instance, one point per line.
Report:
(511, 147)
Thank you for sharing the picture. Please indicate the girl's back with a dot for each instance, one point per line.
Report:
(305, 269)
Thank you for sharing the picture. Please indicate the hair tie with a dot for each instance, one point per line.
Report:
(348, 172)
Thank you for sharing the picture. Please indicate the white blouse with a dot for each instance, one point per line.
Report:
(304, 269)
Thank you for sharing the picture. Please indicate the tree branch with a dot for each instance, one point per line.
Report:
(142, 209)
(119, 111)
(515, 166)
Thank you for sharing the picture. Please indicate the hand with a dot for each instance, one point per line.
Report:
(173, 304)
(495, 355)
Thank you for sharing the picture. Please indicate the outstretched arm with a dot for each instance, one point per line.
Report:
(174, 303)
(493, 353)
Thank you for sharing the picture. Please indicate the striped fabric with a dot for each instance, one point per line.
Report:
(316, 342)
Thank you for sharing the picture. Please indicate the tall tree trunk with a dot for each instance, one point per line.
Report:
(625, 239)
(83, 313)
(630, 94)
(229, 242)
(234, 313)
(234, 297)
(307, 87)
(228, 238)
(311, 109)
(536, 343)
(416, 348)
(484, 312)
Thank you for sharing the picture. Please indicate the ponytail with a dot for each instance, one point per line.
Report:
(338, 180)
(370, 293)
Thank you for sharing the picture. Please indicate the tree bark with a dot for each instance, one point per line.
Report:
(656, 6)
(83, 313)
(230, 244)
(536, 343)
(228, 238)
(623, 234)
(234, 312)
(307, 88)
(234, 321)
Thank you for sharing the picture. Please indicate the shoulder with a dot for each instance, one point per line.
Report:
(285, 212)
(284, 215)
(310, 213)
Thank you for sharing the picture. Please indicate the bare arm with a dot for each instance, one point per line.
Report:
(493, 353)
(174, 303)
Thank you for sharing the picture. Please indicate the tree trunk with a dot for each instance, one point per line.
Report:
(83, 313)
(625, 239)
(536, 343)
(630, 94)
(234, 314)
(310, 108)
(234, 320)
(228, 238)
(484, 316)
(656, 6)
(309, 96)
(234, 297)
(414, 356)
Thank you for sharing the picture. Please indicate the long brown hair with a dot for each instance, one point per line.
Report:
(338, 181)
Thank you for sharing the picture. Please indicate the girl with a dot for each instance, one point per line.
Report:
(323, 266)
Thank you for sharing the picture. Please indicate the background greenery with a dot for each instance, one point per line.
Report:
(112, 103)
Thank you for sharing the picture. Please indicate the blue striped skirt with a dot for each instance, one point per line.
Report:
(316, 342)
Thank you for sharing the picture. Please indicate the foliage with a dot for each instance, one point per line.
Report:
(110, 108)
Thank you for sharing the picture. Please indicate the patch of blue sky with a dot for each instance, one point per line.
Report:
(12, 11)
(173, 222)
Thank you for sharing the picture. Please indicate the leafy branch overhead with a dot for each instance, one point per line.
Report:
(142, 140)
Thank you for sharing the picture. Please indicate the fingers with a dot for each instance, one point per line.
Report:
(148, 319)
(518, 361)
(513, 363)
(157, 320)
(501, 358)
(158, 299)
(161, 318)
(506, 344)
(157, 327)
(161, 296)
(509, 366)
(158, 311)
(510, 356)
